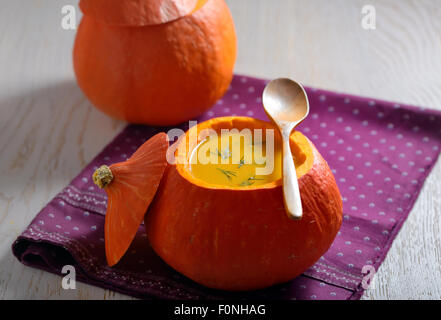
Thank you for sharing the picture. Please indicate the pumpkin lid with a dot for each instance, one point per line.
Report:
(130, 186)
(139, 12)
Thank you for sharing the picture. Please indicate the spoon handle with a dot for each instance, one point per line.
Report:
(291, 192)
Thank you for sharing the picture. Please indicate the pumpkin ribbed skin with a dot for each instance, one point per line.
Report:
(138, 12)
(160, 74)
(242, 239)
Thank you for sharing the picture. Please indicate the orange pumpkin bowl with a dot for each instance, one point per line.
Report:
(240, 238)
(154, 62)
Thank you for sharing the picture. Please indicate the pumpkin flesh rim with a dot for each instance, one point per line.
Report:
(300, 147)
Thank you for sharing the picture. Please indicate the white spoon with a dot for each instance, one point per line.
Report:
(286, 104)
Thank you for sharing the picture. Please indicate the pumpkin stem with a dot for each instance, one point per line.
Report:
(102, 176)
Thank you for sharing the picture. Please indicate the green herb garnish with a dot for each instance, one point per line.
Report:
(227, 173)
(249, 181)
(241, 162)
(246, 183)
(224, 154)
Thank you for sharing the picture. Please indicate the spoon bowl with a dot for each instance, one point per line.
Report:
(286, 104)
(285, 100)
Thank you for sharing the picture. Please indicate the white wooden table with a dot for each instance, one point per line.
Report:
(49, 131)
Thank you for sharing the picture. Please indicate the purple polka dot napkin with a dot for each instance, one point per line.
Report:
(380, 153)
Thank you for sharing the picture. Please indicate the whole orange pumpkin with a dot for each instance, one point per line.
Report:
(241, 238)
(224, 237)
(156, 62)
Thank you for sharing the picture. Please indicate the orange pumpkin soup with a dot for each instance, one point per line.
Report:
(236, 160)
